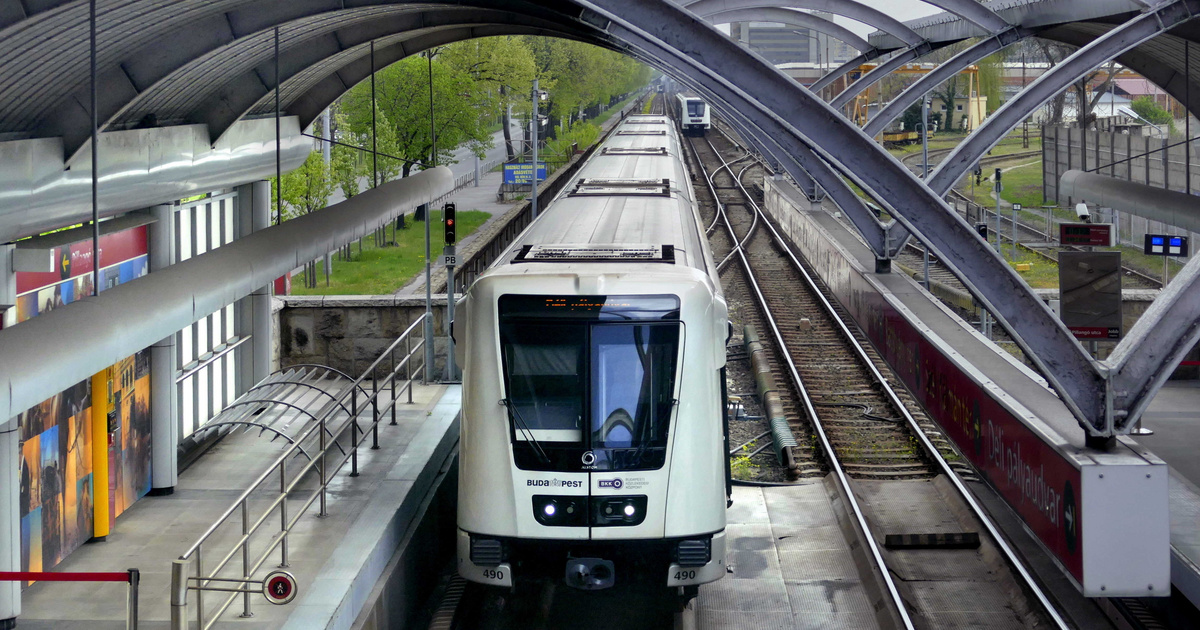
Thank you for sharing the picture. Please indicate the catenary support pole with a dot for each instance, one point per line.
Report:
(278, 140)
(10, 521)
(95, 156)
(428, 208)
(533, 125)
(327, 157)
(164, 361)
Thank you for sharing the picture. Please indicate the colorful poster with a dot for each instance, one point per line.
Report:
(55, 456)
(129, 433)
(57, 482)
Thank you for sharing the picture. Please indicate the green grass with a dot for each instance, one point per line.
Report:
(383, 270)
(1022, 185)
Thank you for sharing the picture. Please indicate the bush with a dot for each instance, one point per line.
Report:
(1145, 107)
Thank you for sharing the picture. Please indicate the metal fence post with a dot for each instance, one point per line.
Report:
(354, 447)
(179, 594)
(246, 612)
(408, 366)
(394, 392)
(321, 465)
(283, 514)
(135, 577)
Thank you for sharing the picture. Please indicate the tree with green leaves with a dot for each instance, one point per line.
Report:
(305, 189)
(503, 67)
(403, 109)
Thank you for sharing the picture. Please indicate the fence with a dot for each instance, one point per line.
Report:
(327, 430)
(132, 577)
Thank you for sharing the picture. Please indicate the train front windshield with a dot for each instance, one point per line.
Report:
(695, 109)
(590, 381)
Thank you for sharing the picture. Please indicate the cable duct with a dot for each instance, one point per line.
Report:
(51, 352)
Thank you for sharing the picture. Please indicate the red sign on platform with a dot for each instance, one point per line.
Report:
(75, 260)
(1086, 234)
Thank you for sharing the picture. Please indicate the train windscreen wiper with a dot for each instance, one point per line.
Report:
(516, 415)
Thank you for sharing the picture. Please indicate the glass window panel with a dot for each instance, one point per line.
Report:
(633, 384)
(229, 225)
(217, 396)
(230, 328)
(215, 220)
(202, 413)
(202, 346)
(230, 380)
(187, 413)
(200, 230)
(183, 223)
(542, 369)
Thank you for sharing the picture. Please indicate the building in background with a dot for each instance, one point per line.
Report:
(778, 43)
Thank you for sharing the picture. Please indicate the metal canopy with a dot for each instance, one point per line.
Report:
(785, 111)
(846, 8)
(41, 66)
(790, 18)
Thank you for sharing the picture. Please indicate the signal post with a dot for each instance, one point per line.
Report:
(450, 260)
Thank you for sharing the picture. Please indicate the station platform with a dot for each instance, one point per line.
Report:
(337, 559)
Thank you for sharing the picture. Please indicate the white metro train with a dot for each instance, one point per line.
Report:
(593, 429)
(694, 114)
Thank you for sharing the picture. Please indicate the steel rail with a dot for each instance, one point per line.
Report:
(1010, 554)
(896, 607)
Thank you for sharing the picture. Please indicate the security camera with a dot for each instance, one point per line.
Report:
(1081, 210)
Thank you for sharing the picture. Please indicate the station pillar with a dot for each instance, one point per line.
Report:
(254, 311)
(8, 280)
(10, 521)
(164, 359)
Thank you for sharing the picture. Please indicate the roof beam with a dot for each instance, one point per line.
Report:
(845, 8)
(939, 75)
(790, 18)
(1142, 28)
(879, 72)
(784, 111)
(842, 70)
(97, 331)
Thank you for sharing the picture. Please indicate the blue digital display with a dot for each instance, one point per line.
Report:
(1156, 240)
(1176, 241)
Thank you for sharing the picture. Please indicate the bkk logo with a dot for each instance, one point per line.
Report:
(609, 483)
(553, 483)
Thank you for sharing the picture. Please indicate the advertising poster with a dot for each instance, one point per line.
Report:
(55, 458)
(57, 472)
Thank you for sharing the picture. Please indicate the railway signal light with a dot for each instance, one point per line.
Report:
(982, 229)
(448, 212)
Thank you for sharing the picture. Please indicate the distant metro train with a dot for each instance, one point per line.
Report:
(594, 439)
(694, 114)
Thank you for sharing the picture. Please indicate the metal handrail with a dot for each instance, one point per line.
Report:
(329, 438)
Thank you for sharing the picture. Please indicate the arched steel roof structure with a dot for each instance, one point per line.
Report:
(209, 61)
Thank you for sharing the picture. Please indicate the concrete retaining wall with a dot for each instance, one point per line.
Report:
(348, 332)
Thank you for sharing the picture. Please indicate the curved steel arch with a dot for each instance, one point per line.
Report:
(842, 70)
(845, 8)
(1117, 41)
(943, 72)
(790, 18)
(785, 112)
(879, 72)
(973, 12)
(228, 98)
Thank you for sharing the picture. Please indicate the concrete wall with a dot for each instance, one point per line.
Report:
(348, 332)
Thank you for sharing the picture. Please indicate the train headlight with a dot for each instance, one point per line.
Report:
(618, 511)
(560, 511)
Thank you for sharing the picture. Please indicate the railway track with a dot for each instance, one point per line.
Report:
(863, 427)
